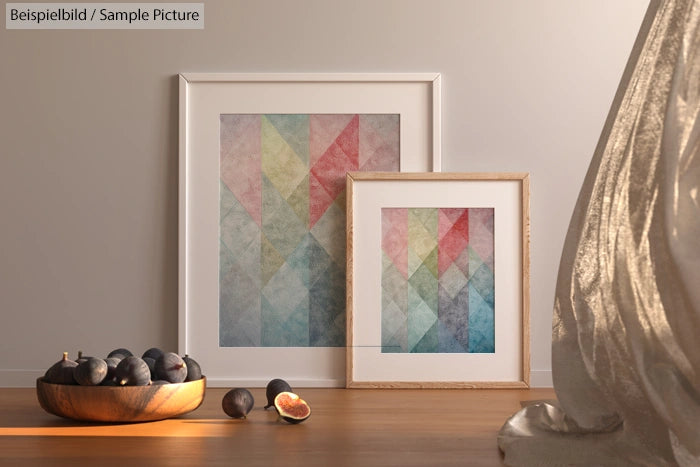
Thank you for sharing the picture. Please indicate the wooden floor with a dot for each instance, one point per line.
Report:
(363, 427)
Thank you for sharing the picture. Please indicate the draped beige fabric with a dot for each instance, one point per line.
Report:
(626, 326)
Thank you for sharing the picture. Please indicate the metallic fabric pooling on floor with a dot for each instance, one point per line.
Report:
(625, 351)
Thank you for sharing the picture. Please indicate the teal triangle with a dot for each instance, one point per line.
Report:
(429, 342)
(482, 281)
(420, 319)
(327, 308)
(447, 341)
(290, 331)
(481, 324)
(226, 199)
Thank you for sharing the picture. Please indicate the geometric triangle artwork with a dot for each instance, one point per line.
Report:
(438, 280)
(282, 223)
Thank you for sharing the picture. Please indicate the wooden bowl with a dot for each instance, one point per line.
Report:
(120, 403)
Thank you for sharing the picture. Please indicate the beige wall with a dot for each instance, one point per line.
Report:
(88, 134)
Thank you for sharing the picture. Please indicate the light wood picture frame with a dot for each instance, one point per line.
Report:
(204, 98)
(421, 250)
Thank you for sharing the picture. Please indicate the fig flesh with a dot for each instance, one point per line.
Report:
(171, 367)
(292, 408)
(275, 387)
(238, 402)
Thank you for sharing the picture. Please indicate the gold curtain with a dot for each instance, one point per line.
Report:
(626, 324)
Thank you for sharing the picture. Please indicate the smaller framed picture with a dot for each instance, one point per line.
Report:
(437, 280)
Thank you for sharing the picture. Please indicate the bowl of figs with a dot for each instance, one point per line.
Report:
(122, 387)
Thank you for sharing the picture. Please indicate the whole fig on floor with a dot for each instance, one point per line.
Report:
(275, 387)
(237, 403)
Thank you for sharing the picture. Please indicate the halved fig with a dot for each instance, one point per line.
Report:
(291, 407)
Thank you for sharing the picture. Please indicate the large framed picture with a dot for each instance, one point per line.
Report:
(437, 280)
(263, 161)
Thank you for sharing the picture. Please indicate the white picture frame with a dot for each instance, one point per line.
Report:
(203, 97)
(368, 366)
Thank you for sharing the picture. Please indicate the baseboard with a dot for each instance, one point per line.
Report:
(214, 382)
(19, 378)
(541, 379)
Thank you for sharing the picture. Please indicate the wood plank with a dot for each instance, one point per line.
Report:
(408, 427)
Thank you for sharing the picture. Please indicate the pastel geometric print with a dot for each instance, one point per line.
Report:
(437, 280)
(282, 222)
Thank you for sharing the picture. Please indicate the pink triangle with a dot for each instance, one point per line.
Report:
(329, 171)
(384, 159)
(481, 232)
(444, 223)
(455, 241)
(349, 140)
(319, 200)
(452, 214)
(323, 131)
(379, 142)
(395, 237)
(240, 161)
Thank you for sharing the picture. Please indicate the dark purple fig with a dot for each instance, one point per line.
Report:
(237, 403)
(108, 382)
(81, 358)
(153, 352)
(194, 371)
(171, 367)
(159, 382)
(61, 372)
(151, 366)
(112, 363)
(119, 353)
(91, 371)
(275, 387)
(132, 371)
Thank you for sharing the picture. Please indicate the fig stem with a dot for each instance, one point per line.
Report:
(65, 356)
